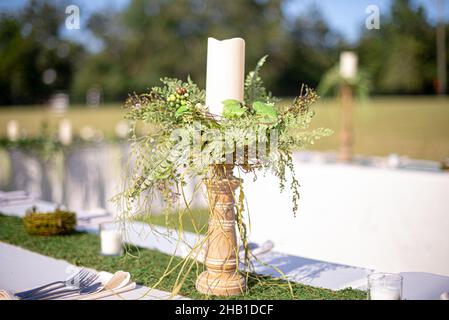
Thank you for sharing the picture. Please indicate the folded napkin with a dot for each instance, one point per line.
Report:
(6, 295)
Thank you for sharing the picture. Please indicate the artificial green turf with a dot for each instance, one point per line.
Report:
(146, 269)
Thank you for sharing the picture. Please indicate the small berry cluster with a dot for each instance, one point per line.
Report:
(179, 98)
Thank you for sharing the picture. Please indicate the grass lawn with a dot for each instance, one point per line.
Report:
(82, 249)
(31, 117)
(194, 221)
(413, 126)
(417, 127)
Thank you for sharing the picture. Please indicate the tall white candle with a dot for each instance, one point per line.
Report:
(12, 130)
(225, 72)
(348, 64)
(65, 132)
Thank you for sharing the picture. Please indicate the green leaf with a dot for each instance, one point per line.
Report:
(265, 110)
(233, 109)
(181, 110)
(254, 87)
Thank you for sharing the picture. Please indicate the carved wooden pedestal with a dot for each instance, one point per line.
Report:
(222, 277)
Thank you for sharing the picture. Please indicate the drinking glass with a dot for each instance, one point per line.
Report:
(384, 286)
(111, 239)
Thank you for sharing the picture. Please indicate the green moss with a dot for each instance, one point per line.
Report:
(147, 266)
(49, 223)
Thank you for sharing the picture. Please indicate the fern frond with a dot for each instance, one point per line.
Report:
(254, 87)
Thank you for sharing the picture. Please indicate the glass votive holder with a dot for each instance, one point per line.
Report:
(111, 239)
(384, 286)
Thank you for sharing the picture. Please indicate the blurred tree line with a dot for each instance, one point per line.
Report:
(150, 39)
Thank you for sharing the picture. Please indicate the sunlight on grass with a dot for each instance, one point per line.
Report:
(411, 126)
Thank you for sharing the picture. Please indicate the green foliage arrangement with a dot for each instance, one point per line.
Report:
(185, 140)
(332, 81)
(49, 223)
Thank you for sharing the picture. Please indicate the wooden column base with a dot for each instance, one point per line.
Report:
(222, 277)
(221, 284)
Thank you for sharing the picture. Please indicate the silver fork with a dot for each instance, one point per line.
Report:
(71, 282)
(69, 292)
(86, 286)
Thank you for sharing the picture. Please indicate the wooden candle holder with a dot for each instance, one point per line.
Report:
(221, 277)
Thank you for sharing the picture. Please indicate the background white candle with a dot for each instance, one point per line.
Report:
(225, 72)
(12, 130)
(111, 239)
(348, 64)
(65, 132)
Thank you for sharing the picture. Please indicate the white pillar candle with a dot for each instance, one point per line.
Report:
(348, 64)
(111, 241)
(12, 130)
(65, 132)
(225, 72)
(384, 293)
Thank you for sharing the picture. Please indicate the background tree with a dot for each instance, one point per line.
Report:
(150, 39)
(314, 47)
(35, 61)
(147, 39)
(401, 55)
